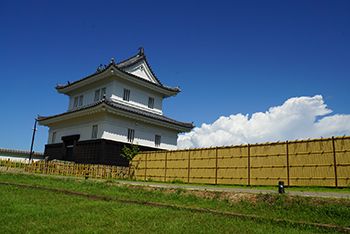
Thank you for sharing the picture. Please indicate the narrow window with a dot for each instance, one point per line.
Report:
(97, 95)
(76, 99)
(126, 95)
(151, 102)
(81, 98)
(94, 131)
(103, 92)
(131, 135)
(53, 140)
(157, 140)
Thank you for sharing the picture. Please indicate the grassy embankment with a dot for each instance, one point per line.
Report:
(30, 209)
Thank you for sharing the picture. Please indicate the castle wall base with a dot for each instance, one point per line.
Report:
(99, 151)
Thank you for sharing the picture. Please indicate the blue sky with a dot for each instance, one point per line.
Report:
(228, 57)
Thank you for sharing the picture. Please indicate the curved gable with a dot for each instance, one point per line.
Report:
(142, 70)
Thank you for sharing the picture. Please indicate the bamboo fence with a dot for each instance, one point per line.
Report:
(317, 162)
(70, 169)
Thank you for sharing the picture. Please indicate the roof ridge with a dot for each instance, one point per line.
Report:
(136, 56)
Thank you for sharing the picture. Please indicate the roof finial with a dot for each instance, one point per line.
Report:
(112, 61)
(141, 51)
(99, 68)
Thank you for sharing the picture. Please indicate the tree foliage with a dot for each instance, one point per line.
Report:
(129, 152)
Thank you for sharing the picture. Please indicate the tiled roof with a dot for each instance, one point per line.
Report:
(131, 61)
(129, 109)
(123, 65)
(14, 152)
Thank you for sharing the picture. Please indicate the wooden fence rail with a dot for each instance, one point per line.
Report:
(316, 162)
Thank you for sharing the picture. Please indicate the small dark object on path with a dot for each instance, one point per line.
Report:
(281, 187)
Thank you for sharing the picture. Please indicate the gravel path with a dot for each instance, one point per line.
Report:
(214, 188)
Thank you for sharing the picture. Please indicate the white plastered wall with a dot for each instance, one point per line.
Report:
(115, 91)
(138, 96)
(80, 126)
(89, 93)
(115, 128)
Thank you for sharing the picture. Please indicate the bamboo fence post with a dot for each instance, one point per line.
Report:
(46, 165)
(216, 165)
(145, 166)
(166, 165)
(189, 167)
(129, 170)
(248, 164)
(287, 157)
(335, 163)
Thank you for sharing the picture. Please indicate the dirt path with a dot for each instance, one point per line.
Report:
(213, 188)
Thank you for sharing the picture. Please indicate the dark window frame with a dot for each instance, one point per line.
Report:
(76, 102)
(53, 138)
(157, 140)
(97, 95)
(151, 102)
(126, 95)
(94, 132)
(103, 92)
(81, 100)
(131, 135)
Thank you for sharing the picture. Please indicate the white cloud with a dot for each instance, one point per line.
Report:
(296, 118)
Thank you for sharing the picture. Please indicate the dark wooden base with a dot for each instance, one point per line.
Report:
(98, 151)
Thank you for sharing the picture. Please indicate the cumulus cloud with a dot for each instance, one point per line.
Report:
(296, 118)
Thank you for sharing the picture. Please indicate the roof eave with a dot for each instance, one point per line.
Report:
(49, 121)
(149, 120)
(104, 106)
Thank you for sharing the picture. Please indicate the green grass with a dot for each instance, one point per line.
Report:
(38, 211)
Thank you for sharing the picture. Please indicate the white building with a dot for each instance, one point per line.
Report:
(119, 104)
